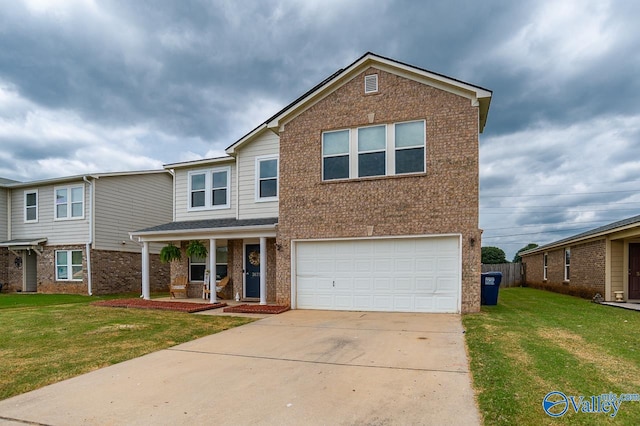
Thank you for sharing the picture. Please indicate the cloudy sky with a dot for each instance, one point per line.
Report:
(92, 86)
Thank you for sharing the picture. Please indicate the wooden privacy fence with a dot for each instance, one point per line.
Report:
(513, 274)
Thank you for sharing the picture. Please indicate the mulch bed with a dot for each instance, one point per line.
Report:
(156, 304)
(256, 309)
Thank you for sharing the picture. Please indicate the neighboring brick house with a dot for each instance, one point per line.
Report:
(604, 260)
(71, 234)
(362, 194)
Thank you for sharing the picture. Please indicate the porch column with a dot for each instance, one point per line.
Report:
(212, 270)
(146, 293)
(263, 270)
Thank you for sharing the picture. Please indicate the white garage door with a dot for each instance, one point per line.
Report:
(401, 275)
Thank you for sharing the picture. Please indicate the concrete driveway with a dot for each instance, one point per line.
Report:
(300, 367)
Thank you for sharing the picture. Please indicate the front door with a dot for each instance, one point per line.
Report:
(252, 270)
(30, 264)
(634, 271)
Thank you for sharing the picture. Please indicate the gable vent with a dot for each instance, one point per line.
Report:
(371, 83)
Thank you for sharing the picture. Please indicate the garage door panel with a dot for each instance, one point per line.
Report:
(363, 284)
(382, 284)
(407, 275)
(404, 285)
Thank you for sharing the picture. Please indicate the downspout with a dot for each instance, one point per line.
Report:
(173, 176)
(9, 196)
(88, 246)
(237, 189)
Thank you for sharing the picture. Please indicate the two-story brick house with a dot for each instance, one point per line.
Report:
(362, 194)
(71, 234)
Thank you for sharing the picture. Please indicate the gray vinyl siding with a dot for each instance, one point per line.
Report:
(182, 195)
(129, 203)
(73, 231)
(266, 144)
(3, 214)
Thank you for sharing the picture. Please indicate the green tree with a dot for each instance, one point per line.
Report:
(517, 258)
(492, 255)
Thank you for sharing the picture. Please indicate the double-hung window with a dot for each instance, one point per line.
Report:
(69, 265)
(69, 202)
(267, 178)
(567, 263)
(335, 155)
(209, 189)
(545, 266)
(372, 145)
(381, 150)
(197, 267)
(31, 206)
(409, 147)
(221, 262)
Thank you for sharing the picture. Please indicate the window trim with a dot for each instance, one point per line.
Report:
(69, 189)
(259, 160)
(390, 151)
(423, 146)
(567, 265)
(545, 265)
(347, 154)
(384, 150)
(204, 264)
(208, 188)
(69, 265)
(27, 192)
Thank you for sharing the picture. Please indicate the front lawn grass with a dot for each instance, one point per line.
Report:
(534, 342)
(49, 338)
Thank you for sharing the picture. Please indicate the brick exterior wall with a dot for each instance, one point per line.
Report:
(118, 272)
(4, 269)
(587, 269)
(47, 273)
(112, 272)
(443, 200)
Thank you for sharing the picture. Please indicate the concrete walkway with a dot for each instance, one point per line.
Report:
(300, 367)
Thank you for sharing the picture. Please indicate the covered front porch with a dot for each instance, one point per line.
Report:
(242, 250)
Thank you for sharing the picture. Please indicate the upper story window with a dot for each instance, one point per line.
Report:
(567, 263)
(267, 178)
(335, 155)
(372, 150)
(545, 261)
(383, 150)
(409, 147)
(209, 189)
(31, 206)
(69, 202)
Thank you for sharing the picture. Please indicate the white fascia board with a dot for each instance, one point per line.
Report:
(568, 243)
(231, 150)
(477, 96)
(238, 232)
(197, 163)
(67, 179)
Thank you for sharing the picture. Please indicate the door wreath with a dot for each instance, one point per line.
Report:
(254, 258)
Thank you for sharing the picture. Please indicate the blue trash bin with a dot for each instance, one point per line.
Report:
(489, 286)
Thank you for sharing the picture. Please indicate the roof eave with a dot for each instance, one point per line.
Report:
(478, 96)
(169, 235)
(579, 239)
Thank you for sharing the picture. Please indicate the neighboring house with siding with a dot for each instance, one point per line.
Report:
(362, 194)
(71, 234)
(604, 260)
